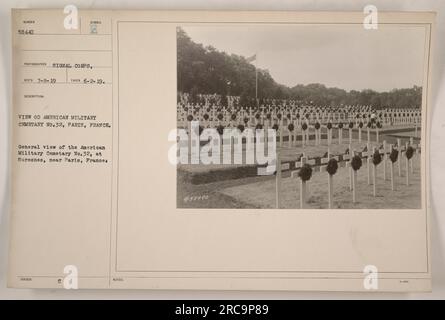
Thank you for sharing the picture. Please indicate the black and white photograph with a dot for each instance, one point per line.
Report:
(298, 116)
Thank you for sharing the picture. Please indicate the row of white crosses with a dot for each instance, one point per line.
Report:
(293, 134)
(272, 116)
(394, 154)
(288, 114)
(322, 114)
(318, 128)
(329, 164)
(294, 124)
(206, 98)
(274, 103)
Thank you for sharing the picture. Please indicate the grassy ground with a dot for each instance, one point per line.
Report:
(211, 195)
(407, 134)
(259, 191)
(262, 194)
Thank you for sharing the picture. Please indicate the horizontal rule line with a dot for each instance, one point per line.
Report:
(67, 50)
(67, 34)
(98, 84)
(51, 67)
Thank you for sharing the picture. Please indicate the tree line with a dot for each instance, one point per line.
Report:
(205, 70)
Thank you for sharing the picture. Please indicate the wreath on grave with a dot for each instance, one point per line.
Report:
(356, 162)
(304, 126)
(376, 157)
(268, 116)
(409, 152)
(329, 125)
(220, 116)
(288, 116)
(220, 129)
(379, 125)
(257, 116)
(332, 166)
(241, 127)
(206, 117)
(369, 125)
(259, 126)
(279, 116)
(298, 116)
(305, 172)
(360, 124)
(189, 117)
(246, 120)
(307, 115)
(351, 125)
(233, 116)
(393, 156)
(291, 127)
(275, 127)
(340, 125)
(317, 125)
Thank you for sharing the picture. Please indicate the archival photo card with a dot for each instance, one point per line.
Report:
(220, 150)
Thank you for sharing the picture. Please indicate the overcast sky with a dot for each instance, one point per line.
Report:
(345, 56)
